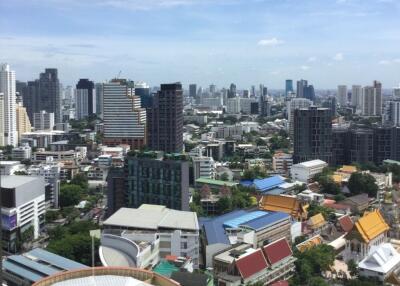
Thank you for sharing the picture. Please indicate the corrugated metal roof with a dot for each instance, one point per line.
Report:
(264, 185)
(266, 220)
(28, 263)
(21, 272)
(235, 222)
(55, 259)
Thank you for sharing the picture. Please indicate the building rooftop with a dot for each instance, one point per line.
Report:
(382, 258)
(286, 204)
(370, 225)
(216, 182)
(153, 217)
(312, 163)
(316, 221)
(309, 243)
(251, 264)
(15, 181)
(277, 251)
(345, 223)
(38, 263)
(265, 184)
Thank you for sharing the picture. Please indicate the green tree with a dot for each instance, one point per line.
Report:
(362, 183)
(80, 180)
(224, 177)
(20, 173)
(317, 281)
(70, 195)
(352, 267)
(224, 204)
(314, 209)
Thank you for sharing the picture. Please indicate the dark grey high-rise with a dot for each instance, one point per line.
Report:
(85, 98)
(49, 93)
(192, 90)
(165, 119)
(312, 134)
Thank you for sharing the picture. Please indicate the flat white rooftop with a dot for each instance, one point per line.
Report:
(153, 217)
(103, 280)
(312, 163)
(14, 181)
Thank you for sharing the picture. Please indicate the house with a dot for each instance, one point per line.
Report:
(381, 261)
(289, 205)
(370, 230)
(243, 265)
(357, 203)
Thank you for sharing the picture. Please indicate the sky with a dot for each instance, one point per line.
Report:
(248, 42)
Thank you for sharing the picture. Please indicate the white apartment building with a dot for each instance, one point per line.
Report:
(50, 171)
(203, 167)
(23, 152)
(8, 112)
(306, 170)
(23, 207)
(372, 100)
(173, 232)
(342, 95)
(233, 105)
(43, 120)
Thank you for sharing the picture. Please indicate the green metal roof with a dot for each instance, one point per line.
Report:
(165, 268)
(216, 182)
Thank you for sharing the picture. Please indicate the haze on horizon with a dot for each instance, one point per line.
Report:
(205, 41)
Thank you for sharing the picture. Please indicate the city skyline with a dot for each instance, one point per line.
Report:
(203, 42)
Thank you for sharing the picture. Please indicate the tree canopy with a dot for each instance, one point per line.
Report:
(362, 183)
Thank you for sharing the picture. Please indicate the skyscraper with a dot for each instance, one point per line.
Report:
(356, 96)
(305, 91)
(49, 93)
(372, 100)
(85, 103)
(288, 86)
(378, 97)
(393, 116)
(23, 122)
(142, 90)
(99, 99)
(300, 87)
(165, 119)
(291, 106)
(192, 90)
(7, 88)
(342, 95)
(312, 134)
(232, 90)
(124, 119)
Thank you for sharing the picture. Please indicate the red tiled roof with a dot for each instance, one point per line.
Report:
(346, 223)
(276, 251)
(280, 283)
(251, 264)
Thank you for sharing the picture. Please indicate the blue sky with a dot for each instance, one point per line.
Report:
(328, 42)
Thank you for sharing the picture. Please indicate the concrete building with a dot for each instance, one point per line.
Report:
(23, 208)
(312, 135)
(356, 97)
(43, 120)
(150, 178)
(10, 167)
(381, 261)
(35, 265)
(291, 106)
(23, 122)
(372, 100)
(172, 232)
(85, 103)
(282, 163)
(41, 156)
(342, 95)
(21, 153)
(393, 112)
(8, 112)
(165, 119)
(233, 105)
(124, 119)
(2, 118)
(203, 167)
(305, 171)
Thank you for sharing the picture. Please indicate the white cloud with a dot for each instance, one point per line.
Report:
(305, 68)
(270, 42)
(338, 57)
(397, 61)
(311, 59)
(384, 62)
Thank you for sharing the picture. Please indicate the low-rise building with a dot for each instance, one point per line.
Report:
(10, 167)
(264, 185)
(307, 170)
(203, 167)
(41, 155)
(381, 261)
(287, 204)
(35, 265)
(23, 152)
(22, 209)
(244, 265)
(282, 163)
(140, 237)
(357, 203)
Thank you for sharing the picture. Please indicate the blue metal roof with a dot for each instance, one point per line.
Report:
(266, 220)
(274, 191)
(235, 222)
(31, 264)
(56, 260)
(263, 185)
(21, 271)
(214, 227)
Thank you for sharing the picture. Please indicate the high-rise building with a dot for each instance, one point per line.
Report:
(124, 120)
(291, 106)
(85, 103)
(253, 91)
(356, 97)
(31, 97)
(312, 134)
(165, 119)
(23, 122)
(43, 120)
(396, 92)
(7, 88)
(393, 112)
(288, 86)
(342, 95)
(330, 103)
(21, 90)
(378, 100)
(232, 90)
(300, 87)
(150, 178)
(2, 142)
(142, 90)
(305, 91)
(49, 94)
(213, 89)
(372, 100)
(99, 99)
(192, 90)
